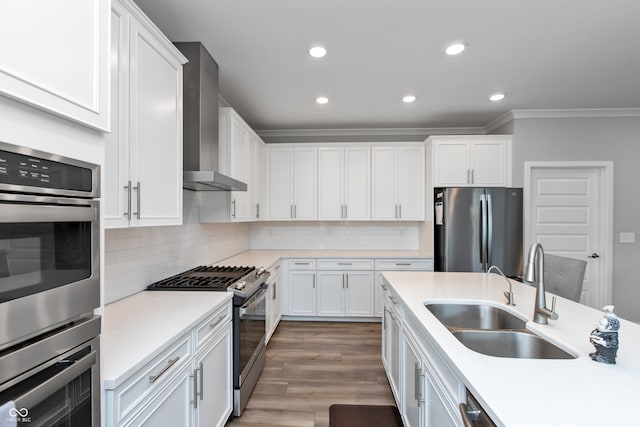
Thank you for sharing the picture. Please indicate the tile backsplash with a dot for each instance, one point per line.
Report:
(335, 235)
(136, 257)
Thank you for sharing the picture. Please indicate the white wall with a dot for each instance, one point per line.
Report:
(614, 139)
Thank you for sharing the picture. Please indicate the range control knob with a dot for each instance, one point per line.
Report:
(240, 285)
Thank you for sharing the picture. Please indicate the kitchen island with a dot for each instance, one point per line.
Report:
(513, 392)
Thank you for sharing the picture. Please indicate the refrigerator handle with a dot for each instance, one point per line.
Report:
(489, 229)
(483, 229)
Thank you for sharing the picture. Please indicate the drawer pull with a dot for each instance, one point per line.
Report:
(404, 264)
(170, 363)
(345, 263)
(301, 263)
(217, 322)
(393, 300)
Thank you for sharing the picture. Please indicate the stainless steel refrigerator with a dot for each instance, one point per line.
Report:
(475, 228)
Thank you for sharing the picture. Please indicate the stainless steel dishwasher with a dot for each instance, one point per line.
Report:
(473, 415)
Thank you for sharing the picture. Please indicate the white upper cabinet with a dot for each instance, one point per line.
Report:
(344, 183)
(398, 182)
(240, 156)
(55, 56)
(467, 161)
(293, 182)
(143, 163)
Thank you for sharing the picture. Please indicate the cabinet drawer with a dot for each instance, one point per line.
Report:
(302, 264)
(136, 389)
(211, 325)
(401, 264)
(345, 264)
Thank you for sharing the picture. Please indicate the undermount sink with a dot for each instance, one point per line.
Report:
(474, 316)
(493, 331)
(513, 344)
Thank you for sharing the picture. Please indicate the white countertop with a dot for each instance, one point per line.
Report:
(137, 328)
(266, 258)
(529, 392)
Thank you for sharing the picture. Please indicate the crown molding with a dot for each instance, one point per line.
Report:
(372, 132)
(576, 113)
(502, 120)
(423, 133)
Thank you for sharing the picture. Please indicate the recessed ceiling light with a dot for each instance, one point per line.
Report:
(322, 100)
(317, 51)
(408, 99)
(496, 97)
(455, 48)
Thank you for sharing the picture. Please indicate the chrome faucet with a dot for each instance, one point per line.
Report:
(507, 294)
(535, 277)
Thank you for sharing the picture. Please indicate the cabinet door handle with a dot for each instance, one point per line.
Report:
(347, 276)
(384, 317)
(212, 325)
(472, 177)
(396, 211)
(399, 211)
(295, 211)
(419, 374)
(257, 210)
(128, 212)
(275, 290)
(137, 214)
(201, 394)
(313, 281)
(343, 275)
(170, 363)
(346, 212)
(233, 208)
(195, 388)
(393, 300)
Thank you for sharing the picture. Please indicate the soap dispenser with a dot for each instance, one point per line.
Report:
(605, 337)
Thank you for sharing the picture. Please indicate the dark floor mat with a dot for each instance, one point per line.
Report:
(364, 416)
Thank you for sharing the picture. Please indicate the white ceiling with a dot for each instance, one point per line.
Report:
(544, 54)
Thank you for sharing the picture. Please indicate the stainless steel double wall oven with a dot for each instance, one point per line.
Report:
(49, 288)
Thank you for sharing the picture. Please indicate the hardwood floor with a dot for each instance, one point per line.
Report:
(312, 365)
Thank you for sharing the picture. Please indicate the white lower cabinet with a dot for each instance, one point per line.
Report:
(413, 388)
(187, 384)
(391, 350)
(170, 406)
(395, 264)
(426, 390)
(274, 302)
(302, 293)
(213, 367)
(339, 287)
(345, 293)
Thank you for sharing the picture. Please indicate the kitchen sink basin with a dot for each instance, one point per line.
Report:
(495, 332)
(512, 344)
(474, 316)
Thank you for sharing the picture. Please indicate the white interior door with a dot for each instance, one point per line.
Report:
(566, 215)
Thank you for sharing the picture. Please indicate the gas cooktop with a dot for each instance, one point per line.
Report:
(213, 278)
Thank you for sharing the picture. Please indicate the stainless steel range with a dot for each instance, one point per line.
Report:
(249, 287)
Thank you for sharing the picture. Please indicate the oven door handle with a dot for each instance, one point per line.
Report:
(253, 302)
(22, 212)
(47, 388)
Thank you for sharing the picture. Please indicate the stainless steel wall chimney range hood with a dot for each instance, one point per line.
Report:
(200, 123)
